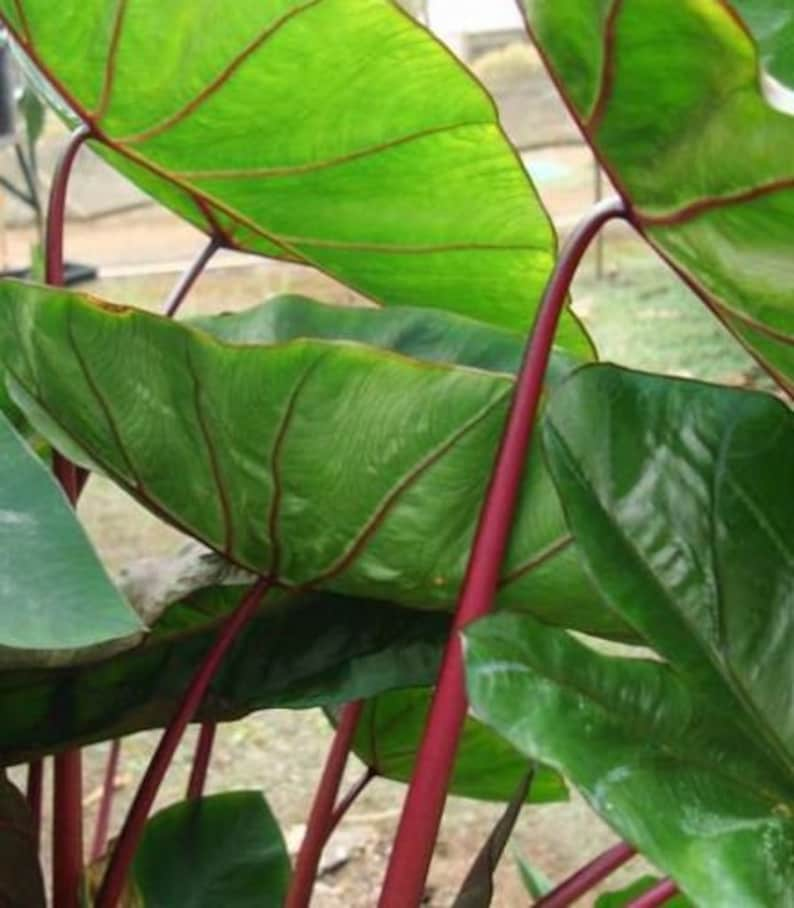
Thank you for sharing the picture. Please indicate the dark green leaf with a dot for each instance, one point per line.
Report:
(304, 651)
(321, 463)
(54, 593)
(333, 132)
(680, 495)
(671, 97)
(221, 850)
(487, 767)
(21, 882)
(676, 779)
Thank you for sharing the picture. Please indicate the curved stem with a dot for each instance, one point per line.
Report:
(201, 760)
(56, 208)
(67, 816)
(350, 799)
(322, 813)
(106, 803)
(186, 281)
(424, 804)
(127, 843)
(661, 893)
(587, 877)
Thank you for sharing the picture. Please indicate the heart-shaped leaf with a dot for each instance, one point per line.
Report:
(334, 132)
(319, 463)
(670, 95)
(675, 778)
(54, 593)
(487, 768)
(224, 849)
(679, 494)
(311, 650)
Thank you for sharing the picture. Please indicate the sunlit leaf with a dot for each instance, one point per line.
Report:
(334, 132)
(671, 96)
(319, 463)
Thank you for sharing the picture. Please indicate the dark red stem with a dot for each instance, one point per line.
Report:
(661, 893)
(186, 281)
(587, 877)
(321, 816)
(424, 804)
(56, 209)
(33, 793)
(201, 760)
(350, 799)
(67, 816)
(127, 844)
(67, 830)
(106, 802)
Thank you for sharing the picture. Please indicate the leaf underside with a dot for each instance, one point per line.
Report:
(319, 463)
(333, 132)
(671, 96)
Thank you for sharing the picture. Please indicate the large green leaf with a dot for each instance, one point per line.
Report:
(319, 463)
(335, 132)
(680, 495)
(21, 882)
(437, 337)
(677, 779)
(54, 593)
(486, 768)
(224, 849)
(670, 96)
(311, 650)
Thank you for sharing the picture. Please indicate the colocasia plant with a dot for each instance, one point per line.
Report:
(367, 483)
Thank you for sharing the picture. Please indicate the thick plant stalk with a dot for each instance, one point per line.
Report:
(661, 893)
(587, 877)
(424, 804)
(127, 843)
(201, 760)
(189, 277)
(321, 817)
(67, 829)
(67, 814)
(106, 802)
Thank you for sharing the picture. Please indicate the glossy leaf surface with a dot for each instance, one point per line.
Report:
(333, 132)
(678, 780)
(312, 650)
(487, 767)
(319, 463)
(680, 496)
(21, 882)
(671, 97)
(54, 592)
(224, 849)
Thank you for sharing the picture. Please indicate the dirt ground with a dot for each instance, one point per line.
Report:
(139, 254)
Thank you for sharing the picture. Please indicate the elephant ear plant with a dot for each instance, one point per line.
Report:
(361, 485)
